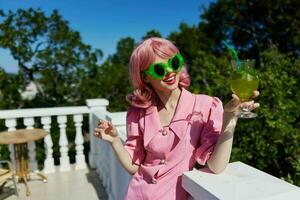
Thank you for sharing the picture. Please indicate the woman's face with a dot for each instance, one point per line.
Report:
(168, 84)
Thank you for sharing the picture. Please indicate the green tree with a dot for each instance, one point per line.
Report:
(271, 142)
(190, 40)
(9, 90)
(46, 48)
(253, 26)
(124, 49)
(111, 80)
(151, 33)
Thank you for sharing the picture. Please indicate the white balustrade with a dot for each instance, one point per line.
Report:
(11, 126)
(29, 123)
(80, 160)
(63, 143)
(45, 114)
(48, 144)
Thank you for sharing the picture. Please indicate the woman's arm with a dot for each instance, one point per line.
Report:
(222, 151)
(123, 156)
(221, 155)
(108, 133)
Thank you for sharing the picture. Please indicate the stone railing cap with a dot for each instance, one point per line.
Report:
(96, 102)
(238, 181)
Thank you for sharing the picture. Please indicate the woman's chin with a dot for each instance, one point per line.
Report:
(169, 87)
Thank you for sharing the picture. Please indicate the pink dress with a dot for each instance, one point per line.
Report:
(164, 153)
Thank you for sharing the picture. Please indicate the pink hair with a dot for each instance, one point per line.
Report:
(141, 58)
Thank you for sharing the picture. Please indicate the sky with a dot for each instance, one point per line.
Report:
(102, 23)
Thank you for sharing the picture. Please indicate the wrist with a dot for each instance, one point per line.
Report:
(230, 115)
(115, 140)
(229, 120)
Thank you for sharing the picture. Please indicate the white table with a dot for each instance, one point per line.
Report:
(238, 182)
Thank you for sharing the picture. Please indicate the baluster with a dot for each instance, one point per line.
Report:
(29, 122)
(80, 160)
(11, 125)
(48, 144)
(63, 143)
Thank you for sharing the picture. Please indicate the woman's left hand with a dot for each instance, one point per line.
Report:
(235, 104)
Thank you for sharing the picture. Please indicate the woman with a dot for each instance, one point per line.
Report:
(169, 129)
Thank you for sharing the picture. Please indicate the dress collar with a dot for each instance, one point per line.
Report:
(179, 121)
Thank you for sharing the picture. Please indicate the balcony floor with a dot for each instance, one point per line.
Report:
(74, 185)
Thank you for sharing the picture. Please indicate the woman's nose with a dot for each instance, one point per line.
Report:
(169, 70)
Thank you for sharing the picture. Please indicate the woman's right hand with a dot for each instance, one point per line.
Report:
(106, 131)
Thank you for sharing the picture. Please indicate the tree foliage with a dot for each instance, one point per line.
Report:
(151, 33)
(113, 78)
(9, 90)
(254, 25)
(46, 48)
(190, 40)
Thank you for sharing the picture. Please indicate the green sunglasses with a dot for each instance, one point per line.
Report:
(159, 70)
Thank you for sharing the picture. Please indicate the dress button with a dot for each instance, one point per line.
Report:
(162, 162)
(164, 132)
(154, 181)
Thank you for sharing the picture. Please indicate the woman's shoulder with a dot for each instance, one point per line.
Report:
(134, 113)
(209, 106)
(204, 98)
(132, 110)
(206, 101)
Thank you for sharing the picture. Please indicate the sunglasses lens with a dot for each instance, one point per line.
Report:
(159, 70)
(175, 63)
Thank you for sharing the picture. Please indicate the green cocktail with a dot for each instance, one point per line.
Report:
(244, 81)
(243, 87)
